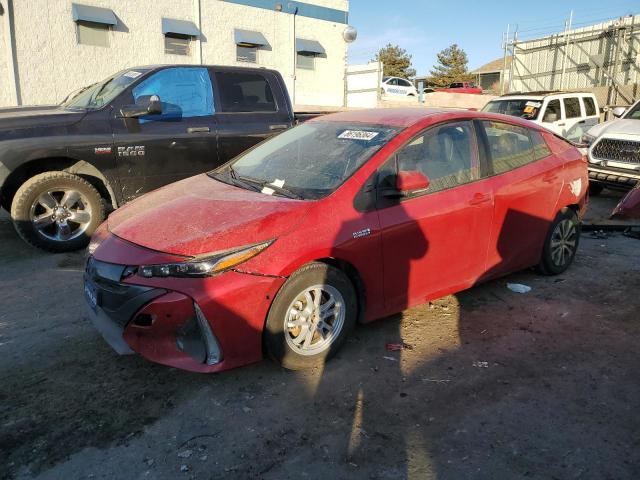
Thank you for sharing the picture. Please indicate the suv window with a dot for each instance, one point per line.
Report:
(184, 92)
(510, 146)
(245, 92)
(456, 85)
(589, 106)
(403, 83)
(447, 154)
(393, 81)
(553, 107)
(572, 107)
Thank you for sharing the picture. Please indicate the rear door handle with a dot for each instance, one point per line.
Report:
(480, 198)
(282, 126)
(198, 130)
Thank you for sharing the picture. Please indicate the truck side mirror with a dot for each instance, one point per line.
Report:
(145, 105)
(618, 111)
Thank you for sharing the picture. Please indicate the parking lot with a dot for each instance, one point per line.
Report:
(495, 384)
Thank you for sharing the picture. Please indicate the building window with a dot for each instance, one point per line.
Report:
(306, 61)
(246, 54)
(177, 44)
(96, 34)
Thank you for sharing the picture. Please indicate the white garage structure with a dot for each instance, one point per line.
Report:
(49, 48)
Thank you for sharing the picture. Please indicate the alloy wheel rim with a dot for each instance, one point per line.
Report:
(563, 242)
(60, 214)
(314, 319)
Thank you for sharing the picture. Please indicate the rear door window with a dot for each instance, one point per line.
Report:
(572, 107)
(589, 106)
(509, 145)
(245, 92)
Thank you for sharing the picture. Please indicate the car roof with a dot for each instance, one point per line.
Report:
(405, 117)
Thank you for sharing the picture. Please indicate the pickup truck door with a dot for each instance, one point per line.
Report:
(252, 107)
(154, 150)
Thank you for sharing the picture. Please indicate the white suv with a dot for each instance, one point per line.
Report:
(614, 152)
(569, 115)
(398, 86)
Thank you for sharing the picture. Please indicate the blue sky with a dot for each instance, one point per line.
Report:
(424, 28)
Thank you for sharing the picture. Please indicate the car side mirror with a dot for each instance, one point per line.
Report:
(411, 181)
(551, 117)
(145, 105)
(618, 111)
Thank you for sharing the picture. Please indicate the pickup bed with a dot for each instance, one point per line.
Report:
(62, 166)
(462, 87)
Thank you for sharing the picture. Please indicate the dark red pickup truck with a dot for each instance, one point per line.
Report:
(462, 87)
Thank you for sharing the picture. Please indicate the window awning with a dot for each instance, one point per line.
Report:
(247, 38)
(181, 27)
(87, 13)
(309, 47)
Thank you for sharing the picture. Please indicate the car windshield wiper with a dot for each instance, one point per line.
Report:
(265, 184)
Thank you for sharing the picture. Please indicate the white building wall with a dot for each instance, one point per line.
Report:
(51, 63)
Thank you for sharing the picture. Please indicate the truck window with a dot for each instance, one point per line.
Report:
(572, 107)
(245, 92)
(589, 106)
(184, 92)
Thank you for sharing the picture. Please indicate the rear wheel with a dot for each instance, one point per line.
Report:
(561, 243)
(311, 316)
(57, 211)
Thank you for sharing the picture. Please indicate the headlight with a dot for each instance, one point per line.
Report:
(587, 139)
(205, 265)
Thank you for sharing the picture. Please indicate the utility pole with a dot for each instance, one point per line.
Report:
(514, 46)
(505, 42)
(567, 28)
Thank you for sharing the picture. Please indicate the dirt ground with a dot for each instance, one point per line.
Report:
(497, 385)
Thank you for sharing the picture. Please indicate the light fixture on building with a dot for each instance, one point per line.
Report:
(349, 34)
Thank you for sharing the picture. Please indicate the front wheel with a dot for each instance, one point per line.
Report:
(561, 243)
(311, 316)
(57, 211)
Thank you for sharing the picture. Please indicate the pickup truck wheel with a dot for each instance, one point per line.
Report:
(57, 211)
(311, 316)
(561, 243)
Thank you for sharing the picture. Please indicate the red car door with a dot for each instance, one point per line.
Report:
(435, 242)
(526, 180)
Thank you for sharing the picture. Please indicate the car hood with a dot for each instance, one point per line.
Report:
(614, 127)
(202, 215)
(37, 116)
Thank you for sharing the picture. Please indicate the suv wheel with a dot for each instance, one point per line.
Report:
(57, 211)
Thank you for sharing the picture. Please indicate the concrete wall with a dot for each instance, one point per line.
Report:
(51, 63)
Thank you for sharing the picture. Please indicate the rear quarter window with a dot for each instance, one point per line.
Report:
(509, 145)
(540, 147)
(245, 92)
(589, 106)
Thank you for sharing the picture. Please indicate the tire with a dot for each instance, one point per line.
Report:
(286, 330)
(566, 230)
(595, 189)
(57, 211)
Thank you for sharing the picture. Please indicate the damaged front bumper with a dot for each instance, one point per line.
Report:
(202, 325)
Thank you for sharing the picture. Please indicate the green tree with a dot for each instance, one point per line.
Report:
(396, 62)
(451, 67)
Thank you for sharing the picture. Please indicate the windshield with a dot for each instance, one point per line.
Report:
(523, 108)
(309, 161)
(100, 94)
(634, 113)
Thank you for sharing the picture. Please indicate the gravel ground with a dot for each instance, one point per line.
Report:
(497, 385)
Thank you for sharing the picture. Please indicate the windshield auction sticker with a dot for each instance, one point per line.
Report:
(358, 135)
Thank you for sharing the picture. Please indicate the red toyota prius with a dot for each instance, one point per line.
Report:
(348, 217)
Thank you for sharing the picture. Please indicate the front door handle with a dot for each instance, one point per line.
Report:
(480, 198)
(282, 126)
(198, 130)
